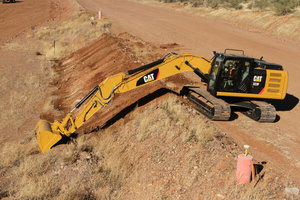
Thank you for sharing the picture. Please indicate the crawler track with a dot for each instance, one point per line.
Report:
(210, 106)
(261, 112)
(219, 110)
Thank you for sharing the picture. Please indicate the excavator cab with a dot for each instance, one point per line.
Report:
(235, 75)
(230, 73)
(239, 81)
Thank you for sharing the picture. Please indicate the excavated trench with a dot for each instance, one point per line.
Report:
(76, 75)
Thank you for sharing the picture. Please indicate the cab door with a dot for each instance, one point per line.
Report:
(212, 85)
(235, 75)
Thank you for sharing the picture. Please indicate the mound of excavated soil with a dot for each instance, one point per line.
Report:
(80, 72)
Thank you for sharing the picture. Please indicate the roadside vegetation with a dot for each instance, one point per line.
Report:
(279, 18)
(279, 7)
(158, 154)
(54, 43)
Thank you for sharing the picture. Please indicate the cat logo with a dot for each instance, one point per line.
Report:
(151, 76)
(257, 79)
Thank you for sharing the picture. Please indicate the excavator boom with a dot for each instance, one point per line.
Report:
(102, 95)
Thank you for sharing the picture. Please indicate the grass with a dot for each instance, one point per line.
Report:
(12, 154)
(279, 18)
(278, 26)
(159, 144)
(54, 43)
(198, 130)
(280, 7)
(76, 32)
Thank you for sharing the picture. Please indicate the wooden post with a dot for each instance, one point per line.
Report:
(99, 14)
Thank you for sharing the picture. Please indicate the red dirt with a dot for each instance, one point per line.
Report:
(24, 76)
(277, 143)
(23, 15)
(103, 58)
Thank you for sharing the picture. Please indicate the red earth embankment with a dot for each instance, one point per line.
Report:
(80, 72)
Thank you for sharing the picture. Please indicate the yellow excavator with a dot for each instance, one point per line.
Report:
(231, 80)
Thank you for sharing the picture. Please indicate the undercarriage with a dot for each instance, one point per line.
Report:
(220, 109)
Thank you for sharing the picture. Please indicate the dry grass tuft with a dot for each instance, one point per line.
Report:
(12, 153)
(38, 187)
(76, 32)
(256, 16)
(70, 155)
(160, 144)
(258, 189)
(75, 190)
(197, 129)
(54, 43)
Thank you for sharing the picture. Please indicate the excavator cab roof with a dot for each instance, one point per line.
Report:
(258, 63)
(236, 56)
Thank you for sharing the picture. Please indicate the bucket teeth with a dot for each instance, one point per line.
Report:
(46, 138)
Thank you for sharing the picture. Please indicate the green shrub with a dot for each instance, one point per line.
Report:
(213, 3)
(261, 4)
(197, 3)
(172, 1)
(250, 6)
(236, 4)
(283, 7)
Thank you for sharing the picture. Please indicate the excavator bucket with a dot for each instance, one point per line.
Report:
(46, 138)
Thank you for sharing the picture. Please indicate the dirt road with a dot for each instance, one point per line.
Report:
(24, 15)
(24, 76)
(276, 143)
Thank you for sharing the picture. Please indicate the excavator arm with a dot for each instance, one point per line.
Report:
(102, 95)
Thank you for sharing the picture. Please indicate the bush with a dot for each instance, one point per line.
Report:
(209, 3)
(283, 7)
(171, 1)
(236, 4)
(197, 3)
(213, 3)
(261, 4)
